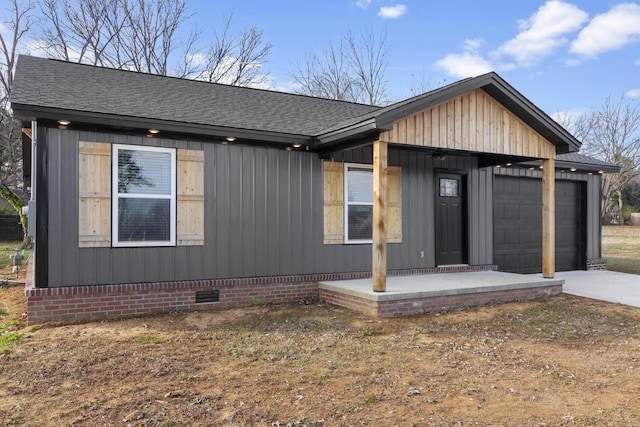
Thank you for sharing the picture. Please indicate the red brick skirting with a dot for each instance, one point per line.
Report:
(81, 303)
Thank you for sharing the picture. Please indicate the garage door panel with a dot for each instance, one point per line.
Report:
(518, 224)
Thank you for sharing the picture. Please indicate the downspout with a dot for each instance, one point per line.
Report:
(31, 231)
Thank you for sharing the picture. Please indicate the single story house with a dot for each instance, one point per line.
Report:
(153, 193)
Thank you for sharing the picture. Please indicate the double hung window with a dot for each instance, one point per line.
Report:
(358, 203)
(144, 196)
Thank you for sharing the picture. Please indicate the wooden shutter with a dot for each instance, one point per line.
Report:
(394, 204)
(333, 177)
(334, 203)
(190, 204)
(94, 185)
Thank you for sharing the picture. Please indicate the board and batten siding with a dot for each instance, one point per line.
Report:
(418, 204)
(473, 122)
(263, 215)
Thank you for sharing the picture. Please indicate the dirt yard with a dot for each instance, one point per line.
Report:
(562, 361)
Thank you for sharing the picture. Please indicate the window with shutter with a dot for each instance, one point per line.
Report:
(348, 203)
(149, 181)
(144, 196)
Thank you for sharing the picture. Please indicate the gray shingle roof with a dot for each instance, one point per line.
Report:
(130, 99)
(586, 162)
(75, 87)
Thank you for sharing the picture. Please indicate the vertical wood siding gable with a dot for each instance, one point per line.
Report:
(333, 183)
(94, 187)
(473, 122)
(190, 203)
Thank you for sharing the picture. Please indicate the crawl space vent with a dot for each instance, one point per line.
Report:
(207, 296)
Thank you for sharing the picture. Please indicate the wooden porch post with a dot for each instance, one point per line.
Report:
(379, 262)
(548, 219)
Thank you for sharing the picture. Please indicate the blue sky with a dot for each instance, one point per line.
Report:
(565, 56)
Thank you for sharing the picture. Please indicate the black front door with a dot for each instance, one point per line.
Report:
(450, 219)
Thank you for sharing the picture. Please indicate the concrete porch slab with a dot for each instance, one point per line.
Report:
(409, 295)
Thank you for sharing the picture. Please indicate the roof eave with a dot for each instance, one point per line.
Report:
(29, 112)
(589, 167)
(354, 131)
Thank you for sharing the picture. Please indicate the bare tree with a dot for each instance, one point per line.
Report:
(612, 133)
(19, 25)
(418, 87)
(368, 57)
(11, 185)
(139, 35)
(144, 36)
(149, 35)
(327, 76)
(235, 59)
(352, 69)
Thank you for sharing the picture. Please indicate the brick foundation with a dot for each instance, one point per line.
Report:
(596, 264)
(429, 304)
(83, 303)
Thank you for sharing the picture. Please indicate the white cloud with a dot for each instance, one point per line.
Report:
(470, 63)
(568, 119)
(633, 93)
(3, 28)
(572, 62)
(467, 64)
(392, 12)
(609, 31)
(41, 48)
(543, 32)
(363, 3)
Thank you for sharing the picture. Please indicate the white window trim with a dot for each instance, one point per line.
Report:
(115, 196)
(347, 240)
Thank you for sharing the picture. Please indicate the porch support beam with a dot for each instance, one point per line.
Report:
(379, 261)
(548, 219)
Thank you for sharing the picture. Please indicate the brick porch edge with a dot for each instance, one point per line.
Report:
(431, 304)
(83, 303)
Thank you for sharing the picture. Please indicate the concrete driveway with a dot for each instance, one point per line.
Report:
(609, 286)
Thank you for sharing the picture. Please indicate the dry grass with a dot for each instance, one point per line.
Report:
(562, 361)
(621, 247)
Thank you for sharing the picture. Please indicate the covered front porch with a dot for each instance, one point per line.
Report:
(427, 293)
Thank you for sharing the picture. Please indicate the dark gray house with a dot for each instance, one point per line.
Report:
(154, 193)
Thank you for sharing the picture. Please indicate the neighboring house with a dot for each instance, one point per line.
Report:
(154, 193)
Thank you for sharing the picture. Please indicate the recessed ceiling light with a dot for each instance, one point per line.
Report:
(64, 122)
(154, 131)
(573, 169)
(297, 145)
(231, 138)
(508, 164)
